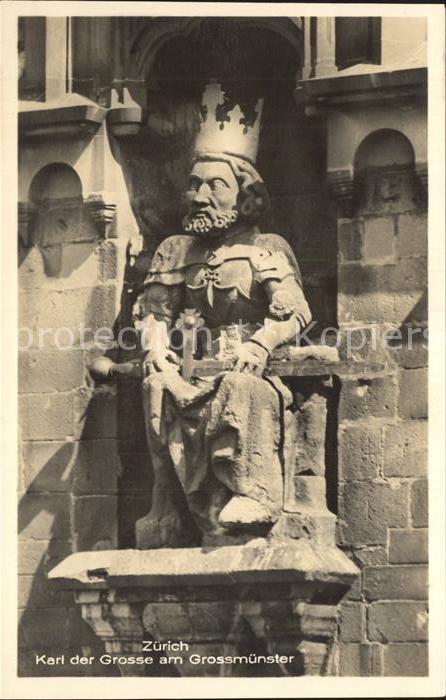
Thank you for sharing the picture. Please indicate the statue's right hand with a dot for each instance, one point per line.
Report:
(160, 361)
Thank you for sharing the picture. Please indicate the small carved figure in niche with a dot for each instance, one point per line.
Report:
(216, 442)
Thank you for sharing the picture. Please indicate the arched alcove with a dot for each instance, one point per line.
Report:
(62, 229)
(205, 35)
(385, 176)
(384, 148)
(56, 181)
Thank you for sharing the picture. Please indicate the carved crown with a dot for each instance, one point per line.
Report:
(224, 130)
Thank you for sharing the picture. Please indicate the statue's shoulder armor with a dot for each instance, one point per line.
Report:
(274, 252)
(169, 260)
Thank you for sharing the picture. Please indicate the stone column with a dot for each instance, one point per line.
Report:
(56, 57)
(308, 65)
(325, 47)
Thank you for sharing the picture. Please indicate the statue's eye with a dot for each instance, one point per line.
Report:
(194, 184)
(217, 183)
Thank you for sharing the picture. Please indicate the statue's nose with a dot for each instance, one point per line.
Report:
(202, 195)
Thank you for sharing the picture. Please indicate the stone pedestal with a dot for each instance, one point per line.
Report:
(259, 609)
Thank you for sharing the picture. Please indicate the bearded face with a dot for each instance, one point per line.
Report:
(211, 197)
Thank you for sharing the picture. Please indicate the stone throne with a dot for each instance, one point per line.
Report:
(275, 594)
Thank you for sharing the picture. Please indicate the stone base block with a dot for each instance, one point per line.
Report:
(246, 610)
(319, 526)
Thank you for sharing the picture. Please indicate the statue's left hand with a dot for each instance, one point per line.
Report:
(252, 358)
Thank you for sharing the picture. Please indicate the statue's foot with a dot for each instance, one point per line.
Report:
(242, 510)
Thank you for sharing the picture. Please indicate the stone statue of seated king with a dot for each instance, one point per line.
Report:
(216, 441)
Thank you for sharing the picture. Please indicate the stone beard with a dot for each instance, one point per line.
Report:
(204, 222)
(212, 480)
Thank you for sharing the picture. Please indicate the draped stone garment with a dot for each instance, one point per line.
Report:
(209, 441)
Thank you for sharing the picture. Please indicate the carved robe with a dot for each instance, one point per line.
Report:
(213, 438)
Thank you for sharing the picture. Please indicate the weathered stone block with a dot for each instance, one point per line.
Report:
(95, 467)
(405, 449)
(310, 491)
(351, 622)
(387, 189)
(41, 555)
(194, 621)
(47, 416)
(95, 522)
(360, 659)
(410, 350)
(307, 522)
(350, 239)
(355, 591)
(408, 275)
(65, 317)
(47, 465)
(107, 253)
(377, 306)
(397, 622)
(395, 582)
(411, 235)
(360, 452)
(27, 663)
(365, 397)
(366, 510)
(44, 516)
(31, 272)
(35, 592)
(73, 264)
(43, 371)
(365, 343)
(412, 401)
(371, 556)
(64, 224)
(408, 546)
(89, 466)
(406, 660)
(96, 414)
(43, 628)
(419, 503)
(379, 239)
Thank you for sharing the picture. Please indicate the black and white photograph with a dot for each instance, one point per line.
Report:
(223, 348)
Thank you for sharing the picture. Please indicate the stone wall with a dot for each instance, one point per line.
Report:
(70, 285)
(382, 437)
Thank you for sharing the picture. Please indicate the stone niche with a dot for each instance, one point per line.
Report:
(275, 595)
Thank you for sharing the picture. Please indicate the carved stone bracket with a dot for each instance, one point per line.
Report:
(67, 116)
(103, 212)
(117, 623)
(215, 611)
